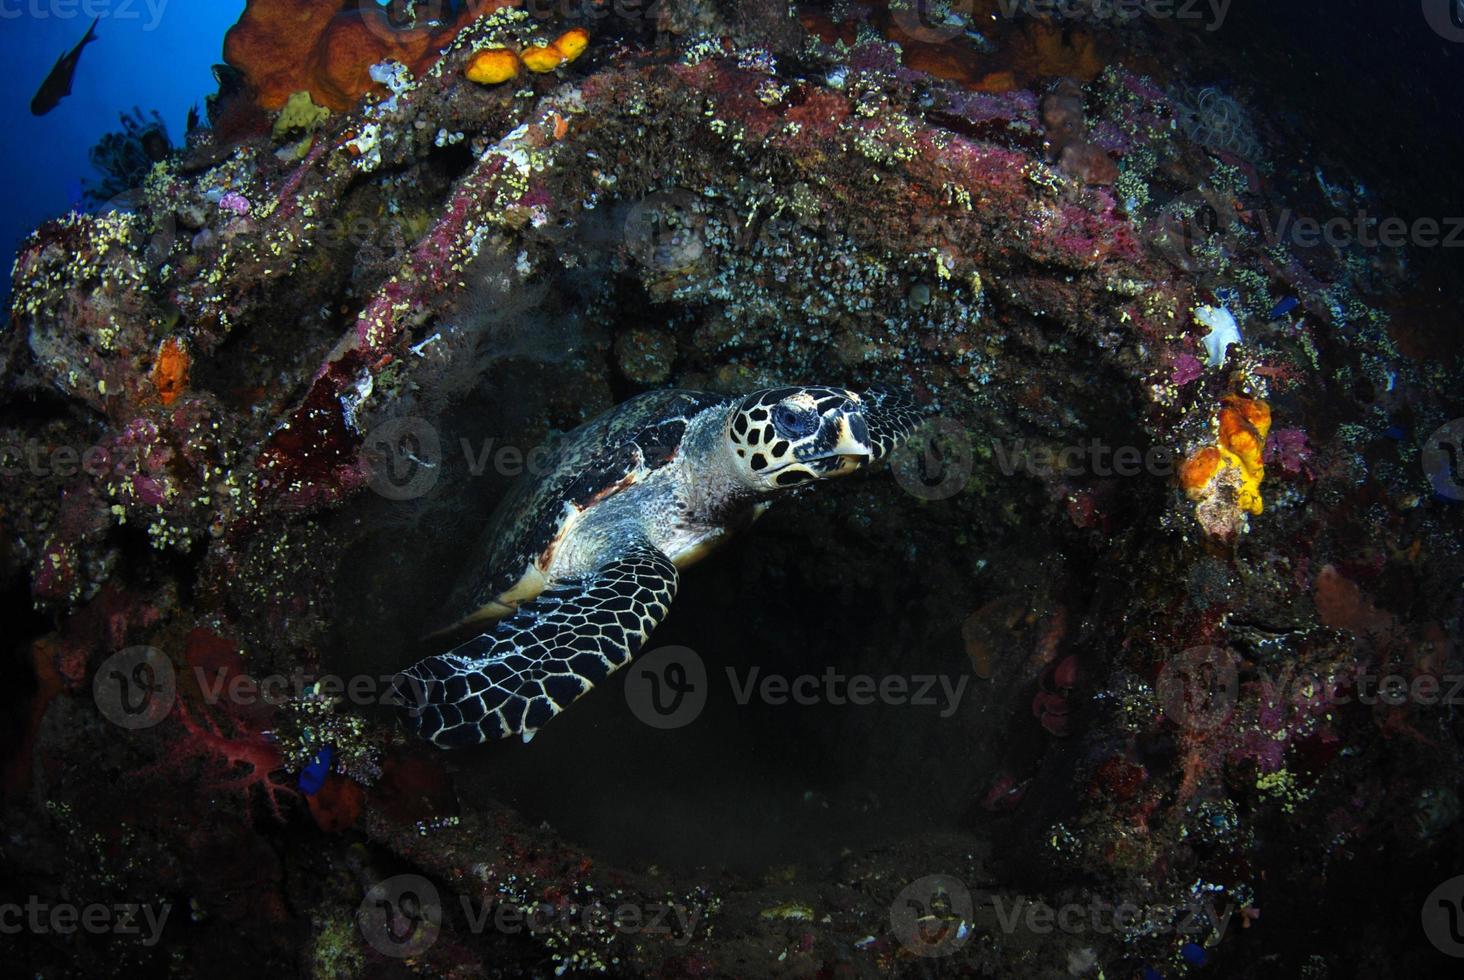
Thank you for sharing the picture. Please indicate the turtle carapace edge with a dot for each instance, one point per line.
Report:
(581, 562)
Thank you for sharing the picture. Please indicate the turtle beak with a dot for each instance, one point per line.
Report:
(853, 437)
(851, 448)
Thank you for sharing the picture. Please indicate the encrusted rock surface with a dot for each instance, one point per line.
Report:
(251, 423)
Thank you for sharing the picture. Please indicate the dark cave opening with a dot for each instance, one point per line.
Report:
(857, 580)
(860, 580)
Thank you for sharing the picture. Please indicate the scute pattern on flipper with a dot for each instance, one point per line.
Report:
(548, 654)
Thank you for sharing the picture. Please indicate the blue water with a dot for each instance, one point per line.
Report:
(153, 54)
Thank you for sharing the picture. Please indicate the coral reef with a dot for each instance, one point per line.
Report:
(250, 420)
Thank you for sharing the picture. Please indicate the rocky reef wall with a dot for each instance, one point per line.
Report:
(1180, 507)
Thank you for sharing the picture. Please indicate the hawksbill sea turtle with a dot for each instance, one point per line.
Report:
(581, 562)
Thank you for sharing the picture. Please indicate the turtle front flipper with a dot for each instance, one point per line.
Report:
(891, 415)
(549, 653)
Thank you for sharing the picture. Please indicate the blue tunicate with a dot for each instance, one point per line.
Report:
(312, 777)
(1194, 954)
(1284, 307)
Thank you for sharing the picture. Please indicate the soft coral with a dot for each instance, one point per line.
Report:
(254, 752)
(247, 755)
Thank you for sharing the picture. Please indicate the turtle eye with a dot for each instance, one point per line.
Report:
(794, 423)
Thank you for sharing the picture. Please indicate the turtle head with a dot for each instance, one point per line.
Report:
(786, 437)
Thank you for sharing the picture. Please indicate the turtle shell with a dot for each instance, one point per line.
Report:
(585, 466)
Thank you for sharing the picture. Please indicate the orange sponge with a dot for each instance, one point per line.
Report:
(1197, 471)
(491, 66)
(286, 46)
(170, 371)
(564, 49)
(1244, 425)
(572, 43)
(1233, 467)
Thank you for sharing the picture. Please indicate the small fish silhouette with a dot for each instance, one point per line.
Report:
(58, 84)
